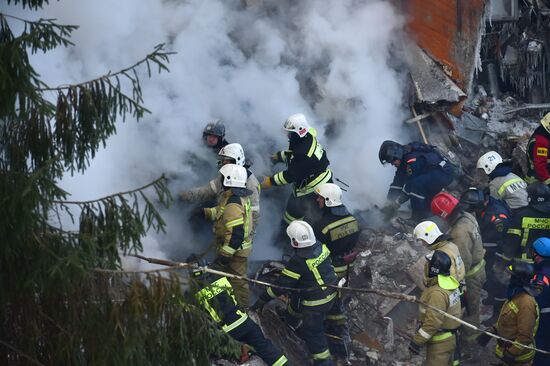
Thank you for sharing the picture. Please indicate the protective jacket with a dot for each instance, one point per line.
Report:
(214, 188)
(537, 156)
(314, 271)
(465, 234)
(339, 231)
(528, 224)
(232, 223)
(307, 164)
(518, 321)
(215, 295)
(493, 221)
(446, 246)
(423, 172)
(507, 186)
(441, 292)
(542, 279)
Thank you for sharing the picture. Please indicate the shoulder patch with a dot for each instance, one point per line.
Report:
(542, 151)
(454, 297)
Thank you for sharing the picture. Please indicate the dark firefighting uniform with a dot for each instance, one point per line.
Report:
(215, 294)
(493, 222)
(422, 174)
(542, 339)
(311, 268)
(339, 231)
(537, 156)
(518, 321)
(436, 331)
(527, 225)
(307, 168)
(232, 235)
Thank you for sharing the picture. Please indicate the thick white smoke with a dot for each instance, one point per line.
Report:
(250, 66)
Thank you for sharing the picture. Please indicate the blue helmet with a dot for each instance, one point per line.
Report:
(541, 246)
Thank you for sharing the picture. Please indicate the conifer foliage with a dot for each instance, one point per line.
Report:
(62, 300)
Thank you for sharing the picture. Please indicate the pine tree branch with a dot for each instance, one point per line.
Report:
(119, 194)
(23, 354)
(157, 57)
(32, 4)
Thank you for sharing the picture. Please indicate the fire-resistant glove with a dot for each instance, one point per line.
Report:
(197, 212)
(275, 158)
(414, 348)
(483, 339)
(266, 183)
(258, 305)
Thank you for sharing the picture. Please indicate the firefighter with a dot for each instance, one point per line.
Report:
(229, 154)
(493, 216)
(337, 228)
(467, 237)
(436, 331)
(215, 294)
(518, 319)
(339, 231)
(537, 153)
(421, 173)
(503, 184)
(307, 168)
(528, 224)
(213, 135)
(309, 267)
(541, 255)
(232, 227)
(429, 233)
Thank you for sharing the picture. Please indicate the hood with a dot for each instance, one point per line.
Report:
(501, 170)
(338, 210)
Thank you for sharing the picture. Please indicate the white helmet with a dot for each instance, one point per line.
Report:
(489, 161)
(332, 194)
(297, 123)
(301, 234)
(233, 151)
(234, 176)
(427, 231)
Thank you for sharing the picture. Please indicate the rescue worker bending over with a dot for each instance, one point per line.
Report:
(339, 231)
(429, 233)
(436, 331)
(232, 228)
(309, 267)
(307, 168)
(503, 184)
(421, 173)
(213, 135)
(528, 224)
(518, 319)
(229, 154)
(493, 216)
(537, 153)
(337, 228)
(541, 255)
(465, 234)
(215, 294)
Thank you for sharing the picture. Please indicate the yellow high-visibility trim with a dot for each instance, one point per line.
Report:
(271, 293)
(514, 231)
(313, 263)
(280, 179)
(310, 187)
(215, 288)
(321, 355)
(507, 184)
(475, 268)
(319, 302)
(312, 148)
(290, 274)
(234, 223)
(228, 250)
(343, 221)
(541, 223)
(440, 337)
(229, 327)
(281, 361)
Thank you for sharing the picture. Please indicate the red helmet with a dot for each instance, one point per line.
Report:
(443, 204)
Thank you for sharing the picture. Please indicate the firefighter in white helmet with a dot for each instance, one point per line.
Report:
(232, 227)
(307, 167)
(310, 266)
(229, 154)
(503, 184)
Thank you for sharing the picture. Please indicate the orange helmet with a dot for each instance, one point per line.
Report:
(443, 204)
